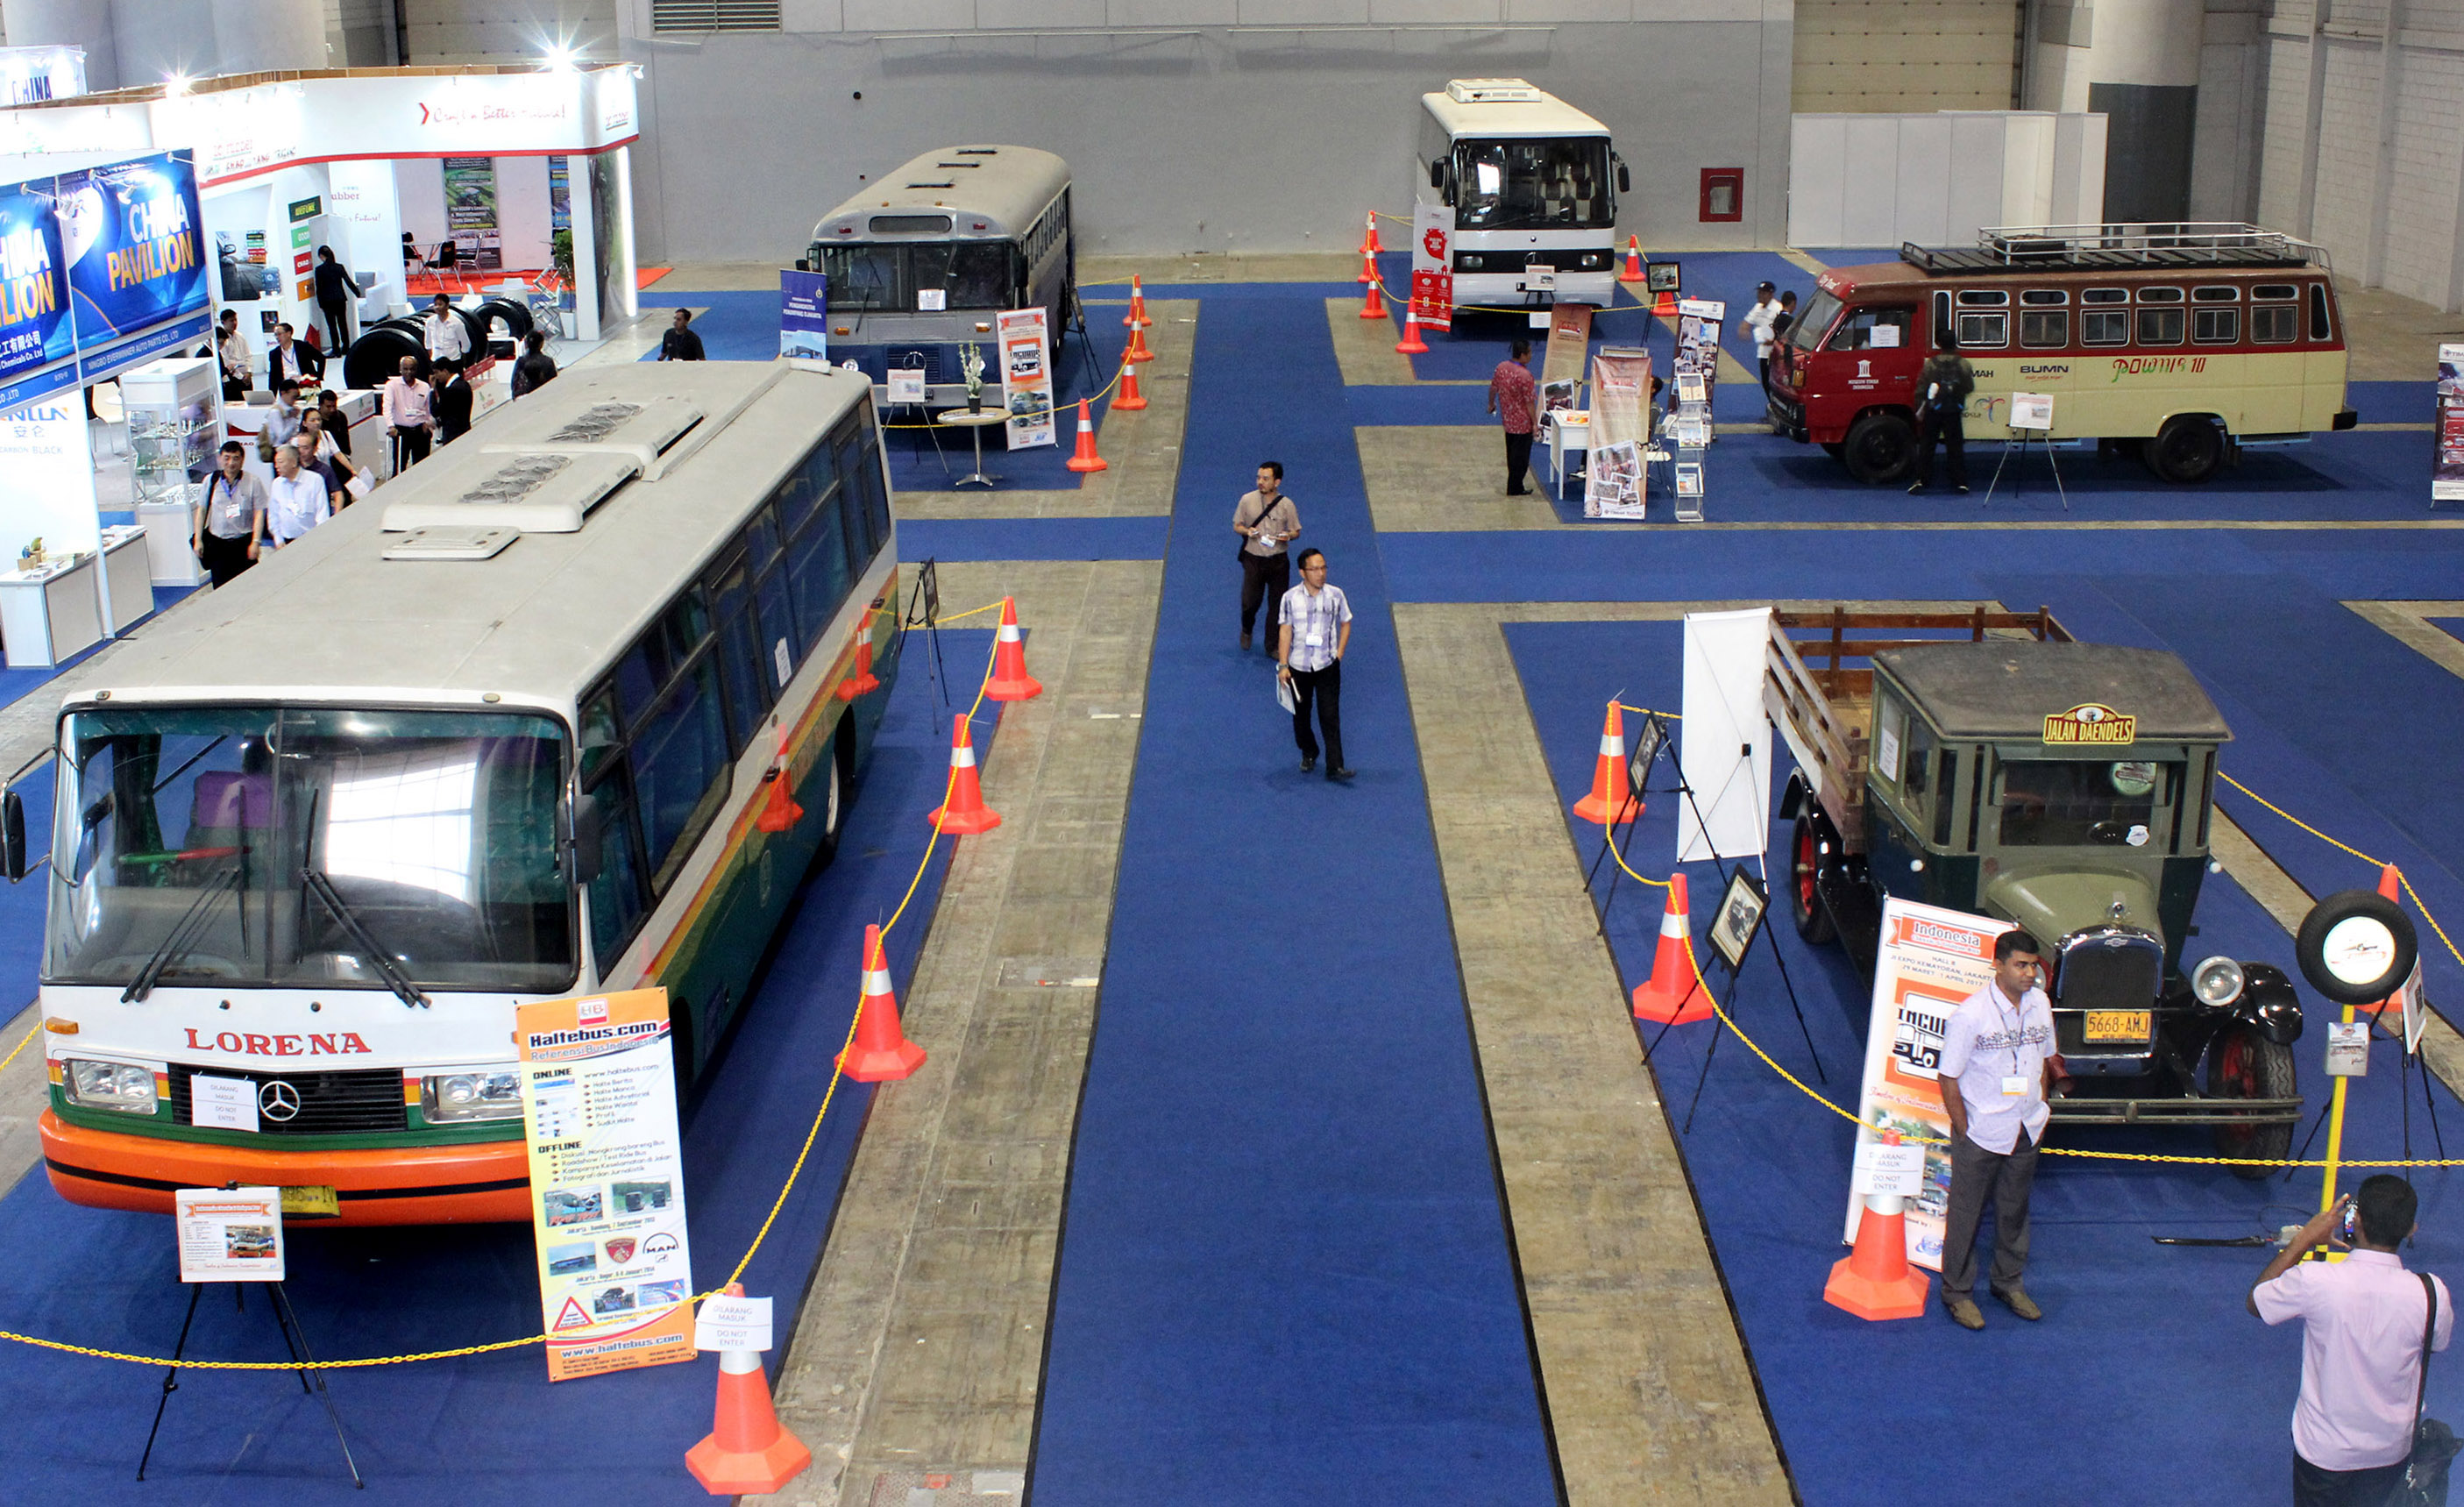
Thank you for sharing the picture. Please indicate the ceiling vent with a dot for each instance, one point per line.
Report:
(1491, 91)
(531, 493)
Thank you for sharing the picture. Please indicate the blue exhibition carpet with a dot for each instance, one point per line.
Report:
(1285, 1274)
(481, 1430)
(2134, 1331)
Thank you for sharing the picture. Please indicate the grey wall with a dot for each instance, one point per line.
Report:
(1236, 131)
(141, 42)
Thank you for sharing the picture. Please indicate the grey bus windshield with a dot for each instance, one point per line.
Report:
(1533, 184)
(188, 842)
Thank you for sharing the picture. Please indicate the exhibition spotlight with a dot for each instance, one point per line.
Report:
(175, 84)
(559, 58)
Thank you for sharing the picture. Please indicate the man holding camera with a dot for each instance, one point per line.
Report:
(2363, 1320)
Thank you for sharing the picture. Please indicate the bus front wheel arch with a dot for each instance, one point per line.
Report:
(2189, 447)
(1881, 447)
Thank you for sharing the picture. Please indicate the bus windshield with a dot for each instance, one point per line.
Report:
(883, 278)
(1533, 184)
(281, 847)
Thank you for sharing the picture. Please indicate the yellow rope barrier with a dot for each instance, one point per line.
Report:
(2331, 842)
(786, 1188)
(1059, 407)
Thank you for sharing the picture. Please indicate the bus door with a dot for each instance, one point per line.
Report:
(1871, 358)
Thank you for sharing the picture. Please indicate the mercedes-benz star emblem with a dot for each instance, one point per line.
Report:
(277, 1100)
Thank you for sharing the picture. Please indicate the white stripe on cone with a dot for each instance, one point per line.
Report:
(1612, 744)
(962, 757)
(1672, 924)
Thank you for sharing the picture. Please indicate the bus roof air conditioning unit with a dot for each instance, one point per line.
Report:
(1491, 91)
(640, 432)
(538, 493)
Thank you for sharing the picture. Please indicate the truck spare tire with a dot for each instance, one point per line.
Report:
(2356, 947)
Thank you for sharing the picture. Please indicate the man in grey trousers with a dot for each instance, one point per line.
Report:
(1995, 1073)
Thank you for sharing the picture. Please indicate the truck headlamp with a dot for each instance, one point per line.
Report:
(2217, 982)
(120, 1086)
(451, 1098)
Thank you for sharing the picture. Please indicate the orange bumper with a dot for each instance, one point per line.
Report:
(484, 1183)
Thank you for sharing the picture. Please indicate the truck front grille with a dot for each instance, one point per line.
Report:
(330, 1103)
(2110, 971)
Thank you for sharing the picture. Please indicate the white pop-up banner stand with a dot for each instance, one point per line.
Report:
(1724, 745)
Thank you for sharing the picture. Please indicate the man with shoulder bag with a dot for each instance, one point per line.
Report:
(2368, 1327)
(1941, 406)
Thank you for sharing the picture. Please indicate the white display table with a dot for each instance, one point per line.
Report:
(49, 613)
(126, 578)
(1569, 430)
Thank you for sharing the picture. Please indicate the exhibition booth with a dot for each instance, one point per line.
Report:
(129, 220)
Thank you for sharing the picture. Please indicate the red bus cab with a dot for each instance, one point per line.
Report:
(2183, 343)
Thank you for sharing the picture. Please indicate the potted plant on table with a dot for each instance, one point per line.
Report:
(971, 361)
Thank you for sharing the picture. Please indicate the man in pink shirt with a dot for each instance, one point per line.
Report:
(1511, 399)
(2362, 1321)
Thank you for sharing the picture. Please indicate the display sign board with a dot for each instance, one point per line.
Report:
(1026, 377)
(231, 1234)
(471, 210)
(2447, 467)
(728, 1322)
(1613, 479)
(134, 238)
(36, 331)
(1433, 277)
(34, 74)
(1889, 1167)
(1562, 357)
(804, 315)
(2349, 1049)
(1930, 959)
(606, 1167)
(2033, 412)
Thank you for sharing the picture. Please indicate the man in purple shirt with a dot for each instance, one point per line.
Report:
(2362, 1321)
(1510, 397)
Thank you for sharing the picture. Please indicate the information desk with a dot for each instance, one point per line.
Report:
(50, 612)
(126, 578)
(977, 422)
(1569, 430)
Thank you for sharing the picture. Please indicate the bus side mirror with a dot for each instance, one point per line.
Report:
(1437, 173)
(12, 836)
(803, 265)
(589, 843)
(1625, 180)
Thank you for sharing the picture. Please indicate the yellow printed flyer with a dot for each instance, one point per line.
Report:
(599, 1103)
(1930, 959)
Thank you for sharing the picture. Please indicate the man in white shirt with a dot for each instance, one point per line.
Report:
(408, 416)
(1997, 1069)
(297, 500)
(232, 352)
(1317, 629)
(282, 420)
(1758, 323)
(447, 337)
(2362, 1322)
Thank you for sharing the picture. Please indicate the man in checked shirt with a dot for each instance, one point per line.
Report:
(1317, 627)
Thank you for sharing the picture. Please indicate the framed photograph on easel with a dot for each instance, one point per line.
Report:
(1739, 917)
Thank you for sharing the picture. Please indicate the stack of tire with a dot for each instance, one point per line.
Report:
(377, 354)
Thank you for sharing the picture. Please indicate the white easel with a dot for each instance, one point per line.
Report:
(2031, 414)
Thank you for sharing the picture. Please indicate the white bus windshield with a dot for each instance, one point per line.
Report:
(1532, 185)
(281, 847)
(879, 277)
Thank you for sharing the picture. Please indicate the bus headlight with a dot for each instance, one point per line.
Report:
(449, 1097)
(120, 1086)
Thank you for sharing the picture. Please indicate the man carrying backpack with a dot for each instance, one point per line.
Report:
(1942, 399)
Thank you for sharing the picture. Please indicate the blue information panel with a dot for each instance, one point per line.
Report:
(134, 238)
(34, 326)
(805, 315)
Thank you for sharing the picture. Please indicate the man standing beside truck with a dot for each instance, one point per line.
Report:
(1997, 1067)
(1941, 406)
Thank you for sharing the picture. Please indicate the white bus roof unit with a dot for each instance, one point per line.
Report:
(955, 193)
(1537, 114)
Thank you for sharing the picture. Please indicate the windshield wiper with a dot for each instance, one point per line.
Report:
(183, 936)
(388, 969)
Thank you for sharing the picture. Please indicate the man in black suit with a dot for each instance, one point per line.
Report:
(291, 360)
(452, 400)
(680, 342)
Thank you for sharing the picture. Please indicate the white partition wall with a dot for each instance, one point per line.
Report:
(1878, 179)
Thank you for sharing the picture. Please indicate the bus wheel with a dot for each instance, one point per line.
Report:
(2244, 1064)
(1881, 447)
(2188, 448)
(833, 812)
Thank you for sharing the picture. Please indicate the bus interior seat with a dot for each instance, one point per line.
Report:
(230, 801)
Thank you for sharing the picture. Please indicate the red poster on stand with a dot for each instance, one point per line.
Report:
(1433, 278)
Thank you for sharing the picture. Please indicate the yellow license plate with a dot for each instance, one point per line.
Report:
(311, 1203)
(2118, 1024)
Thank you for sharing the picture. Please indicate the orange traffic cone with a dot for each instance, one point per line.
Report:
(864, 679)
(1374, 308)
(1137, 318)
(746, 1452)
(1010, 681)
(1633, 261)
(1874, 1279)
(1128, 400)
(1137, 352)
(881, 1052)
(1411, 344)
(1369, 246)
(1611, 800)
(966, 812)
(1664, 307)
(1086, 459)
(779, 811)
(1673, 995)
(2391, 888)
(1368, 266)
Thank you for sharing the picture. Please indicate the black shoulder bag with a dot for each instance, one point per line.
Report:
(2434, 1444)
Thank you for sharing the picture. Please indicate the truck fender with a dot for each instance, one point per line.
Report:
(2268, 1003)
(1792, 799)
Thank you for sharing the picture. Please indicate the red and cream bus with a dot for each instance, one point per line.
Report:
(2184, 343)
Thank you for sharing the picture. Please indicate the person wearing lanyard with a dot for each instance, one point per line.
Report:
(1316, 629)
(1266, 522)
(1997, 1069)
(225, 537)
(297, 501)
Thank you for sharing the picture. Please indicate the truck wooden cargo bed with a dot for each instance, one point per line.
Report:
(1826, 714)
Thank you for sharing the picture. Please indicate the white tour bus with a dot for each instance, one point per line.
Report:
(505, 731)
(1532, 183)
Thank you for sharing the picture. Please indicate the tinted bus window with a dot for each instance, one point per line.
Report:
(2320, 328)
(1807, 333)
(818, 577)
(1984, 330)
(2044, 328)
(2160, 326)
(750, 691)
(863, 277)
(977, 275)
(2215, 327)
(2275, 323)
(616, 902)
(680, 769)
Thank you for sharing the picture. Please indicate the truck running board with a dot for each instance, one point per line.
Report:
(2176, 1111)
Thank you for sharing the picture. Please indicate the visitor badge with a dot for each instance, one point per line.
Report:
(1312, 639)
(2014, 1086)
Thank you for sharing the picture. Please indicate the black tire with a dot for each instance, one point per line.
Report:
(1836, 451)
(1881, 447)
(2189, 447)
(1804, 906)
(2345, 934)
(515, 318)
(377, 355)
(2244, 1064)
